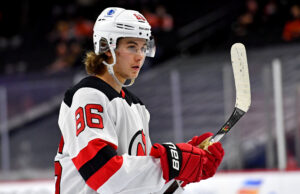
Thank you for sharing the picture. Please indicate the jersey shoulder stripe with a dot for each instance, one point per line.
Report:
(98, 84)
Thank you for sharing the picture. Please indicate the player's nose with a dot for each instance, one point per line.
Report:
(139, 56)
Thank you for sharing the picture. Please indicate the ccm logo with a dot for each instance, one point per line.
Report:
(174, 156)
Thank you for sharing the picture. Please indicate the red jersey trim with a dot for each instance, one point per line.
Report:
(58, 171)
(104, 173)
(61, 145)
(90, 151)
(123, 93)
(97, 162)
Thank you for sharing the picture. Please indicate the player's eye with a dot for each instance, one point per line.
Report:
(144, 50)
(132, 49)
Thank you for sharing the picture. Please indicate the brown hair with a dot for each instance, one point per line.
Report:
(93, 63)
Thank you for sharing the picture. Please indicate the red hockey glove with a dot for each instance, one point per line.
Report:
(181, 161)
(215, 155)
(197, 140)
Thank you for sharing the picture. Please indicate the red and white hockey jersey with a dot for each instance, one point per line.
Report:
(105, 142)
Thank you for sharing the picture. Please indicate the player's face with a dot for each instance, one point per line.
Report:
(130, 54)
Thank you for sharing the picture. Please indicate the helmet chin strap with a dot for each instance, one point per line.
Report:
(111, 70)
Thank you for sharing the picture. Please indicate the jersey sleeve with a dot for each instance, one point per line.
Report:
(91, 140)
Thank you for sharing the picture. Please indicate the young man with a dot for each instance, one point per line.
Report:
(105, 145)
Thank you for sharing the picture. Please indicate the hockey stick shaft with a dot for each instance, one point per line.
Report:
(242, 104)
(233, 119)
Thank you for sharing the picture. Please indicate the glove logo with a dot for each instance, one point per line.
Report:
(174, 155)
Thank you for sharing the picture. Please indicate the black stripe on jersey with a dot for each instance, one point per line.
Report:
(131, 98)
(99, 84)
(93, 165)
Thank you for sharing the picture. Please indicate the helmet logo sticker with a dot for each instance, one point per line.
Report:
(139, 17)
(110, 13)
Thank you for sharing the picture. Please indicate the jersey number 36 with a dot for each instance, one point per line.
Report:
(90, 114)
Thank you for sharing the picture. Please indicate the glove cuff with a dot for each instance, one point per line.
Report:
(174, 156)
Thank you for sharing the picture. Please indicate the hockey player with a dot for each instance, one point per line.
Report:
(105, 145)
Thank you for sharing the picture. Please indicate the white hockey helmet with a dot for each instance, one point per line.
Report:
(114, 23)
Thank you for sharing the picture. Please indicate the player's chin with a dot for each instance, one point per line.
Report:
(134, 74)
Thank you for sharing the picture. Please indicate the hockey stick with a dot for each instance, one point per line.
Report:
(242, 102)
